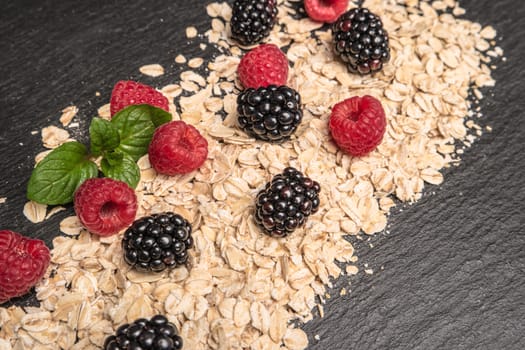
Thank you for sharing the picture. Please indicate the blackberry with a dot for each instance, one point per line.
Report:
(156, 242)
(156, 333)
(361, 41)
(269, 113)
(252, 20)
(286, 202)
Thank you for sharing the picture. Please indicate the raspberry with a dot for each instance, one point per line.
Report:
(265, 65)
(358, 124)
(126, 93)
(286, 202)
(23, 262)
(156, 333)
(105, 206)
(325, 10)
(177, 148)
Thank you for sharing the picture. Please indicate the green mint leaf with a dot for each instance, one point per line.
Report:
(124, 170)
(136, 125)
(114, 158)
(159, 116)
(104, 136)
(57, 176)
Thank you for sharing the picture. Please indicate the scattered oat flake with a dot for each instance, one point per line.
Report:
(3, 200)
(104, 111)
(71, 226)
(295, 339)
(195, 62)
(153, 70)
(488, 32)
(53, 211)
(68, 114)
(52, 136)
(180, 59)
(35, 212)
(352, 270)
(191, 32)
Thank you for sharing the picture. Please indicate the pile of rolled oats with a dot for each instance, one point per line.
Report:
(243, 288)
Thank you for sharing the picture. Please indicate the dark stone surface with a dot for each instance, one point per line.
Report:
(450, 272)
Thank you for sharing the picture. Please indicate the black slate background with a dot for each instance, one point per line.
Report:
(450, 269)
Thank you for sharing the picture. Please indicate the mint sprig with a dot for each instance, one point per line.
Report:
(135, 126)
(120, 166)
(104, 136)
(57, 176)
(119, 143)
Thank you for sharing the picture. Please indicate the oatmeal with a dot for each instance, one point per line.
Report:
(243, 288)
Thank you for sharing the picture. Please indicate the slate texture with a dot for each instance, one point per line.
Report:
(450, 272)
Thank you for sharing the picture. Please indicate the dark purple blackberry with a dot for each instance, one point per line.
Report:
(157, 333)
(269, 113)
(286, 202)
(252, 20)
(361, 41)
(156, 242)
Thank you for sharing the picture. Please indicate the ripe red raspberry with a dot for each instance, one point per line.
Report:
(325, 10)
(358, 124)
(262, 66)
(177, 148)
(23, 262)
(105, 206)
(126, 93)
